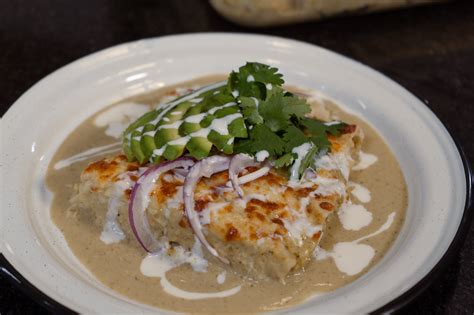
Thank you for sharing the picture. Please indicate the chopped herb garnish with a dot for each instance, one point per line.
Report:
(251, 80)
(261, 138)
(284, 160)
(320, 130)
(257, 114)
(293, 137)
(308, 159)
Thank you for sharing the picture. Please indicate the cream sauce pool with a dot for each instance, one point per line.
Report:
(355, 238)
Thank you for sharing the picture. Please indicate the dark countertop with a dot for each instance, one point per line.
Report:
(428, 50)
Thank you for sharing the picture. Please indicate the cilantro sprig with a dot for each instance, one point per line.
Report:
(276, 118)
(265, 117)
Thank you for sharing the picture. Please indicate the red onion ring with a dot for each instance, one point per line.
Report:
(180, 173)
(238, 163)
(139, 201)
(309, 174)
(204, 168)
(247, 178)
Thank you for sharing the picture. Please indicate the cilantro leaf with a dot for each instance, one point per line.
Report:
(321, 141)
(250, 110)
(284, 160)
(308, 159)
(291, 105)
(265, 139)
(277, 109)
(273, 112)
(262, 73)
(314, 126)
(335, 128)
(237, 82)
(261, 138)
(293, 137)
(298, 107)
(319, 131)
(244, 146)
(319, 127)
(251, 79)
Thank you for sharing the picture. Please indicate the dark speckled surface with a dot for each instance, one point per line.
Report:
(429, 50)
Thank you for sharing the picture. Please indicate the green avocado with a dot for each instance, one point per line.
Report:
(187, 128)
(136, 146)
(173, 151)
(147, 142)
(199, 147)
(163, 135)
(127, 150)
(149, 138)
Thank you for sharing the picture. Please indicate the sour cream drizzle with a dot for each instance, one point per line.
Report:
(219, 125)
(338, 161)
(328, 186)
(262, 155)
(88, 154)
(116, 120)
(354, 217)
(118, 117)
(351, 257)
(360, 192)
(301, 152)
(365, 160)
(158, 264)
(221, 277)
(112, 232)
(212, 208)
(167, 107)
(383, 228)
(300, 225)
(171, 289)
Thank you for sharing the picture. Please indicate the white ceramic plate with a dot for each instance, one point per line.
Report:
(37, 123)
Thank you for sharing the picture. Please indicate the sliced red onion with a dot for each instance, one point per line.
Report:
(309, 174)
(247, 178)
(181, 172)
(204, 168)
(223, 188)
(238, 163)
(140, 199)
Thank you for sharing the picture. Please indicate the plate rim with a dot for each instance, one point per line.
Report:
(11, 274)
(454, 247)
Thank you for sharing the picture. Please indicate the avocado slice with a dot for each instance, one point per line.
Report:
(226, 111)
(127, 150)
(173, 151)
(175, 114)
(194, 110)
(164, 135)
(133, 131)
(136, 146)
(199, 147)
(147, 142)
(186, 126)
(218, 140)
(141, 121)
